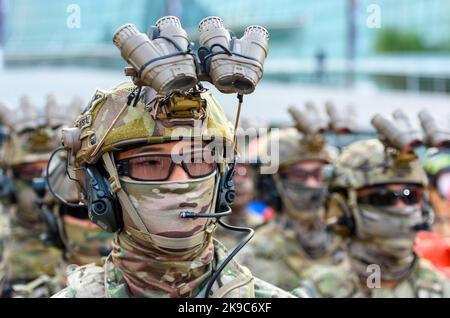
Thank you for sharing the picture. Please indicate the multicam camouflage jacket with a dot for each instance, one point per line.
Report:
(4, 232)
(275, 255)
(325, 281)
(27, 263)
(92, 281)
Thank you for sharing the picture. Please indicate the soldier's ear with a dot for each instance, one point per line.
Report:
(339, 218)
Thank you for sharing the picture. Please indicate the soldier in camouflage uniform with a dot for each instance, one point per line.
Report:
(26, 258)
(68, 227)
(5, 189)
(157, 253)
(437, 167)
(377, 201)
(297, 238)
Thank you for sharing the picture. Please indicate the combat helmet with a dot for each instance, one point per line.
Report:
(390, 159)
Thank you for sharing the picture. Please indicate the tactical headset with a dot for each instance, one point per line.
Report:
(53, 230)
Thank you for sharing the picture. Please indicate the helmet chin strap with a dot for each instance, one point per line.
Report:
(141, 232)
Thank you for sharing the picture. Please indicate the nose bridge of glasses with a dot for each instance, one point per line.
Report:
(178, 172)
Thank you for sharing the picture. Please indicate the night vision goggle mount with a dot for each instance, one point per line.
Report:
(342, 121)
(400, 138)
(311, 125)
(163, 58)
(435, 135)
(178, 106)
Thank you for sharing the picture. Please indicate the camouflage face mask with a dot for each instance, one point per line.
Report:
(304, 202)
(87, 243)
(395, 257)
(159, 204)
(373, 222)
(385, 237)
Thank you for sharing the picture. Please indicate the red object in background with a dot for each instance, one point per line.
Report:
(436, 249)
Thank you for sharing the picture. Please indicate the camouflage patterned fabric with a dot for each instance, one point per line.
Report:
(275, 255)
(108, 282)
(160, 204)
(86, 241)
(294, 147)
(4, 232)
(321, 281)
(26, 256)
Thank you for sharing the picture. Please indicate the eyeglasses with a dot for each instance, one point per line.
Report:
(159, 167)
(302, 175)
(386, 197)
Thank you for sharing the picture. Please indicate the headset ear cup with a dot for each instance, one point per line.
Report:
(338, 215)
(103, 207)
(226, 190)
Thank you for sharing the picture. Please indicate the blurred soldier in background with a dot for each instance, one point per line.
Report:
(68, 227)
(282, 249)
(26, 257)
(435, 247)
(342, 128)
(437, 167)
(5, 188)
(377, 200)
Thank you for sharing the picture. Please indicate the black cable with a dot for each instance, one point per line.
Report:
(241, 244)
(47, 180)
(227, 52)
(138, 95)
(145, 65)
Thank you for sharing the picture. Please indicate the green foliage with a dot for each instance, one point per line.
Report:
(392, 40)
